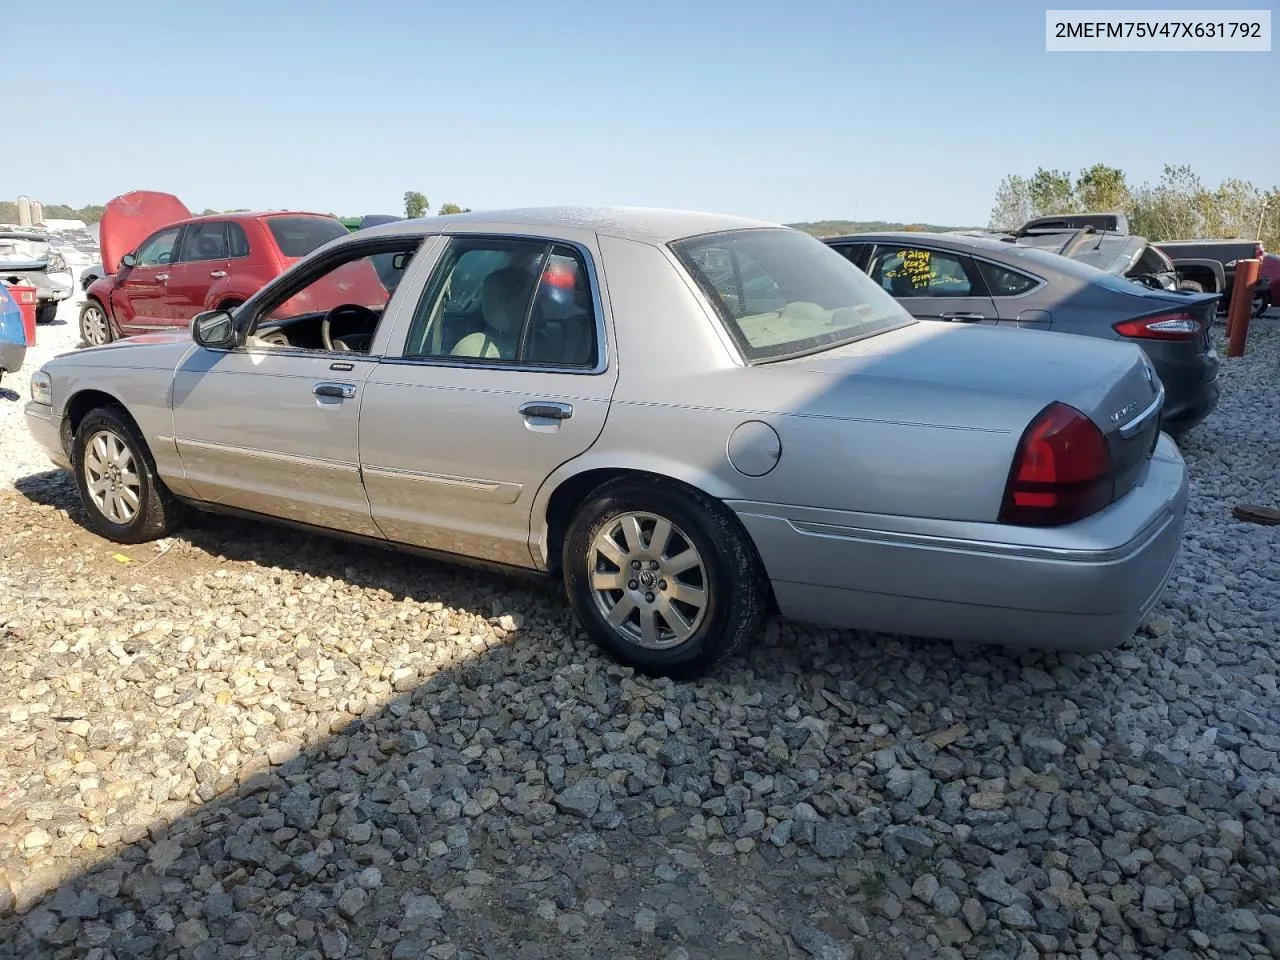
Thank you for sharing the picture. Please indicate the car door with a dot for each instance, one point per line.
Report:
(932, 284)
(504, 375)
(203, 259)
(272, 426)
(138, 297)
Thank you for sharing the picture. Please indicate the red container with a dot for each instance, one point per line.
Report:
(25, 297)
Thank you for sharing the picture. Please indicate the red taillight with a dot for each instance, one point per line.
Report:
(1163, 326)
(1061, 472)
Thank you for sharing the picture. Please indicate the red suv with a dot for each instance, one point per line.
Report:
(184, 265)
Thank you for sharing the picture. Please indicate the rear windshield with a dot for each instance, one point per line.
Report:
(298, 236)
(782, 293)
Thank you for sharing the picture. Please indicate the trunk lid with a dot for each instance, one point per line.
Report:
(1110, 382)
(132, 217)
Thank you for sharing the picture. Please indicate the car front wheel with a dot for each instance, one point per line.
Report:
(116, 476)
(95, 328)
(663, 578)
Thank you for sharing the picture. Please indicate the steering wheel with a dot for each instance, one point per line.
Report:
(356, 311)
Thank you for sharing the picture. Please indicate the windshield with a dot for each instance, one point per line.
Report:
(783, 293)
(298, 236)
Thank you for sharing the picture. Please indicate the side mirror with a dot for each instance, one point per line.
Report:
(129, 260)
(214, 330)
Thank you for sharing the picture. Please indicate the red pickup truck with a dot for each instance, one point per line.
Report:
(164, 266)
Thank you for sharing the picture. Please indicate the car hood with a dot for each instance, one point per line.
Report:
(973, 376)
(132, 217)
(145, 351)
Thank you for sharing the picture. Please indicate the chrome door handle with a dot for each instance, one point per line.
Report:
(339, 391)
(161, 277)
(963, 317)
(218, 273)
(547, 409)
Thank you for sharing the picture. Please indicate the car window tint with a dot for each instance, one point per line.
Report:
(158, 248)
(237, 240)
(298, 236)
(507, 301)
(782, 293)
(204, 241)
(1003, 282)
(919, 272)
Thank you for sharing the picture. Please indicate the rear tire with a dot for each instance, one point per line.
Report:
(95, 325)
(1193, 286)
(46, 312)
(664, 579)
(1260, 305)
(116, 476)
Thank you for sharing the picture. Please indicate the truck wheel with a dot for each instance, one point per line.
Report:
(1191, 285)
(1260, 304)
(95, 328)
(46, 312)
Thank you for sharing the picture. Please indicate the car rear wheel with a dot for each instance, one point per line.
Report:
(95, 328)
(662, 578)
(1192, 285)
(46, 312)
(116, 476)
(1260, 304)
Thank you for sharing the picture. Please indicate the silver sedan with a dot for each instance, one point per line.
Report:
(690, 419)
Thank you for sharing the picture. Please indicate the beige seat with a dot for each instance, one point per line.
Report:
(503, 297)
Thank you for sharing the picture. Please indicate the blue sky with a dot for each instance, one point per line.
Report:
(796, 110)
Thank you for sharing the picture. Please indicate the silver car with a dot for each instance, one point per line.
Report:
(690, 419)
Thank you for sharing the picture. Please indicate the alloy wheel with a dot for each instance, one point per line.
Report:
(111, 477)
(93, 326)
(648, 580)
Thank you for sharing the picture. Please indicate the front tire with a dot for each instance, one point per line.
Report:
(116, 476)
(95, 326)
(662, 578)
(46, 312)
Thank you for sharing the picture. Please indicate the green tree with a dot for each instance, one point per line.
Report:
(447, 208)
(1101, 188)
(1051, 192)
(1012, 206)
(415, 204)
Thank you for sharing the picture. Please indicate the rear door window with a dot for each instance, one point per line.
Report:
(904, 271)
(204, 241)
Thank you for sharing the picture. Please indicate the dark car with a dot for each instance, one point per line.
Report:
(973, 279)
(1212, 263)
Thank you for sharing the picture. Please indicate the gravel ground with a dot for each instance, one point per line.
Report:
(244, 742)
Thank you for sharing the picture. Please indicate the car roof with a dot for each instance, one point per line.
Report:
(645, 224)
(956, 240)
(257, 215)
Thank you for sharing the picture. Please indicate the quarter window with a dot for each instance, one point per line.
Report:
(1003, 282)
(507, 301)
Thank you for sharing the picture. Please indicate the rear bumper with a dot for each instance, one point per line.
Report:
(1083, 587)
(11, 356)
(1190, 381)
